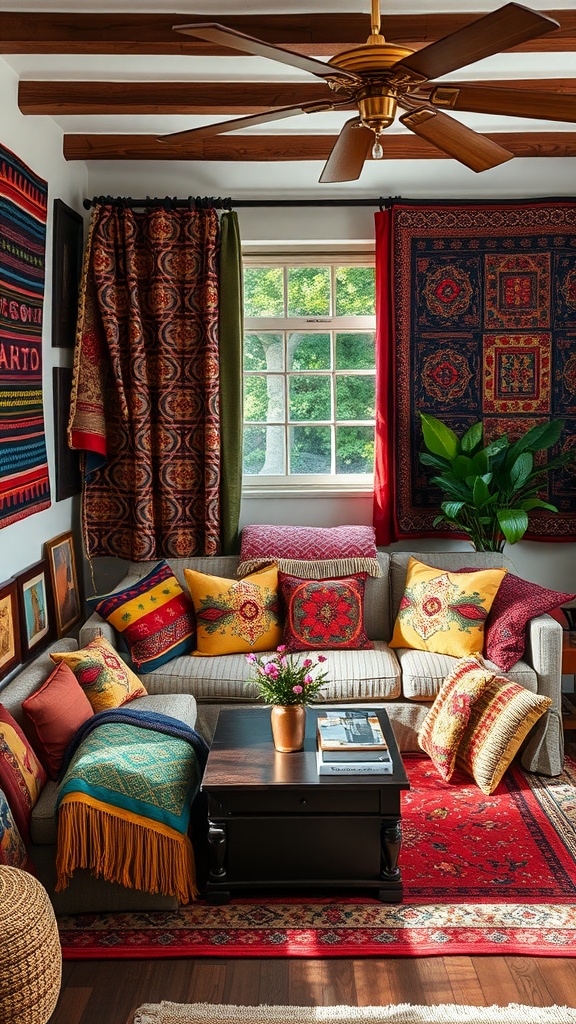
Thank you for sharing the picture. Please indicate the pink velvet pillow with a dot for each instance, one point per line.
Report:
(57, 710)
(324, 614)
(516, 602)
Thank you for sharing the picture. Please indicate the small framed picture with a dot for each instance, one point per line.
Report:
(35, 608)
(67, 251)
(9, 628)
(64, 580)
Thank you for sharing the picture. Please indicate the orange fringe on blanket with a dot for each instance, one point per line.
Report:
(122, 847)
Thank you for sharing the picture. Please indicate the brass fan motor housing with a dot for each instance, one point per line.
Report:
(377, 107)
(371, 58)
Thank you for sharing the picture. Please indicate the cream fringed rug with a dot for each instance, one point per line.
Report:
(207, 1013)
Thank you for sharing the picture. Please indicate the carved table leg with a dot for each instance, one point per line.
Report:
(217, 851)
(390, 841)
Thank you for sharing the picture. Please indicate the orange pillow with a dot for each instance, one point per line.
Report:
(57, 710)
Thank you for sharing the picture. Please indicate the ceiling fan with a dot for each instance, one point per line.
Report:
(379, 78)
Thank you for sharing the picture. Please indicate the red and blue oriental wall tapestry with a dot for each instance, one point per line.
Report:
(24, 483)
(476, 321)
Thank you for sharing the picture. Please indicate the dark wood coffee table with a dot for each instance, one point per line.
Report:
(274, 823)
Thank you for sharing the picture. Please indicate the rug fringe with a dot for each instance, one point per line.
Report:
(404, 1013)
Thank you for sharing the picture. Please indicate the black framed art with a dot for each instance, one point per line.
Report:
(37, 624)
(9, 628)
(67, 251)
(68, 475)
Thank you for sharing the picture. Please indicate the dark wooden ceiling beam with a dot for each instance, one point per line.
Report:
(294, 147)
(315, 34)
(57, 98)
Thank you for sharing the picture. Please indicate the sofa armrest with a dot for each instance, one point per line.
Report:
(93, 627)
(544, 750)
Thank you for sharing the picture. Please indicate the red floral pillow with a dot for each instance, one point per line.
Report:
(516, 602)
(22, 777)
(324, 614)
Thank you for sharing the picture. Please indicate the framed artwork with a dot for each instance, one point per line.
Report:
(35, 608)
(67, 252)
(64, 580)
(68, 476)
(9, 628)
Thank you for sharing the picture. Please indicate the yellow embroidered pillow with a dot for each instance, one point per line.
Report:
(447, 720)
(444, 612)
(103, 675)
(235, 616)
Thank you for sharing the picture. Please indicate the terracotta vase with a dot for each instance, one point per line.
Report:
(288, 726)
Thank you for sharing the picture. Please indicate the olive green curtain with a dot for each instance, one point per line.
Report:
(230, 329)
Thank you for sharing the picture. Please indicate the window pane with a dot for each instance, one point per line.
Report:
(264, 398)
(263, 291)
(309, 398)
(354, 449)
(355, 294)
(308, 291)
(310, 450)
(263, 351)
(308, 351)
(355, 398)
(263, 450)
(355, 350)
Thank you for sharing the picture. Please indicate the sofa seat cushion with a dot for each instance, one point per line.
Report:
(351, 675)
(424, 672)
(44, 821)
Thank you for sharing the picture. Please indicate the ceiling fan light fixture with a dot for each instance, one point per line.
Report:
(377, 109)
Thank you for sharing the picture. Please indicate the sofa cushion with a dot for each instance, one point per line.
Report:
(56, 711)
(176, 705)
(310, 551)
(351, 675)
(153, 617)
(444, 611)
(12, 850)
(424, 672)
(103, 674)
(235, 616)
(449, 715)
(326, 614)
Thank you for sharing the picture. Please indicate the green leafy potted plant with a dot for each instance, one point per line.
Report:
(489, 489)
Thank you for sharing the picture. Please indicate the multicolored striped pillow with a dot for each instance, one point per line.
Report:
(154, 618)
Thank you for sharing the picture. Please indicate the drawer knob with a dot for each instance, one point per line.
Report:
(303, 800)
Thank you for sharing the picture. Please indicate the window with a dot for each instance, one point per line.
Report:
(309, 372)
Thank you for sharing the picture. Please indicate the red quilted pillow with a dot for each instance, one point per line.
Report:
(324, 614)
(516, 602)
(22, 777)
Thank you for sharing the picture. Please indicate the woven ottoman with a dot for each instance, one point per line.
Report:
(30, 952)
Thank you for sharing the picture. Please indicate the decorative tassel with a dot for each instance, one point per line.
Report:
(310, 569)
(152, 859)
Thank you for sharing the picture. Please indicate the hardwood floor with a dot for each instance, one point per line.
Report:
(108, 992)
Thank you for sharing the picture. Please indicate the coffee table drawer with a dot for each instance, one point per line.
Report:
(316, 801)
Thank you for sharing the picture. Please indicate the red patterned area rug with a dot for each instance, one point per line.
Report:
(482, 874)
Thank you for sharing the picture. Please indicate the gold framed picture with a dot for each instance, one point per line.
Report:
(35, 607)
(64, 579)
(10, 650)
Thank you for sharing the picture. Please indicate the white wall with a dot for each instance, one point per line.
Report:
(38, 141)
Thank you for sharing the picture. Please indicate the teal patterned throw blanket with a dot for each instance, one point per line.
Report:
(125, 800)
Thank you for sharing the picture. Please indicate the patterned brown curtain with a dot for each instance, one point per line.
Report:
(145, 401)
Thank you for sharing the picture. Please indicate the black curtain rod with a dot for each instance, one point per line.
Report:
(199, 202)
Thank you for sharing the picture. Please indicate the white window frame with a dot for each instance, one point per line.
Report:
(310, 484)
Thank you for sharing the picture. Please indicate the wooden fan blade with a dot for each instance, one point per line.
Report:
(511, 102)
(209, 130)
(215, 33)
(455, 139)
(349, 152)
(499, 30)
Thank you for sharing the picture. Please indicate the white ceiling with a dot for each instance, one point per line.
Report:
(542, 176)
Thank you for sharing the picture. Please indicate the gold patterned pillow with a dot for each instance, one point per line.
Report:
(103, 675)
(235, 616)
(446, 722)
(444, 612)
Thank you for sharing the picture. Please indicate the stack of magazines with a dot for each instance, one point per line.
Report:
(352, 743)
